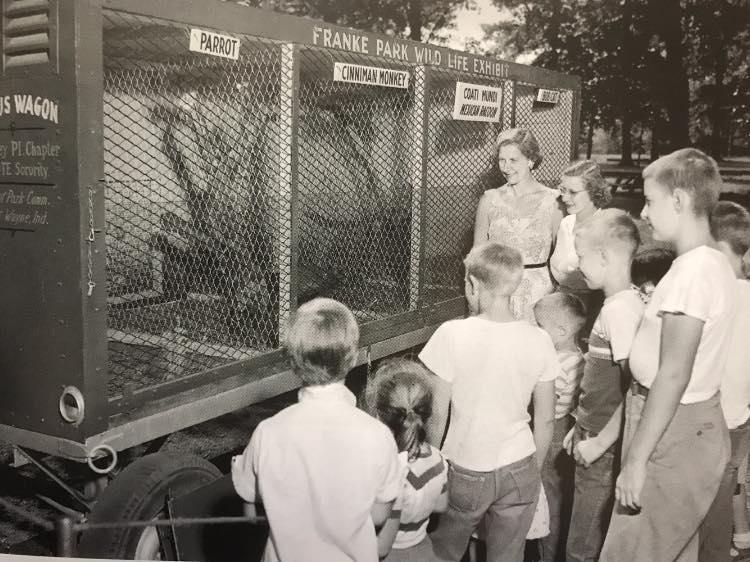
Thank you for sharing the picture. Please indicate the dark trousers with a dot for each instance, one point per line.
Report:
(592, 505)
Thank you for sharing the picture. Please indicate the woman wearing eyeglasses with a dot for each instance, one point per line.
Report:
(583, 191)
(523, 214)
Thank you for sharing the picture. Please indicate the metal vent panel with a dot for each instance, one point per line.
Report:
(29, 36)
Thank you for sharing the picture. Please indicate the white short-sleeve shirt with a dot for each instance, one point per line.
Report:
(493, 368)
(735, 387)
(700, 284)
(318, 467)
(563, 262)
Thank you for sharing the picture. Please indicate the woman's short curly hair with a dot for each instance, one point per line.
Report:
(524, 140)
(593, 181)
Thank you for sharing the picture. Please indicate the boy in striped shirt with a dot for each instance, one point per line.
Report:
(605, 249)
(562, 316)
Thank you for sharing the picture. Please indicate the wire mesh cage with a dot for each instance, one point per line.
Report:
(238, 189)
(194, 209)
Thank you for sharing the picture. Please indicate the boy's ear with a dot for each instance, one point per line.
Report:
(681, 199)
(473, 283)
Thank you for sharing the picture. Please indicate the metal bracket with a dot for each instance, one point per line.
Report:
(73, 493)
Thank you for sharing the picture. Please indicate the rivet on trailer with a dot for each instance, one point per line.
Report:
(177, 176)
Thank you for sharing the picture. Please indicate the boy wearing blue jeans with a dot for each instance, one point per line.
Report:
(730, 226)
(487, 368)
(676, 443)
(605, 249)
(326, 472)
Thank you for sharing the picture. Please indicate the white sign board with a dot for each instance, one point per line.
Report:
(210, 43)
(372, 75)
(547, 96)
(477, 103)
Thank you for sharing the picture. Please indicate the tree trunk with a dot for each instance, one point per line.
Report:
(626, 75)
(414, 17)
(717, 103)
(655, 132)
(590, 137)
(553, 35)
(678, 90)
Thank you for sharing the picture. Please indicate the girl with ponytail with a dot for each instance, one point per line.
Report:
(399, 395)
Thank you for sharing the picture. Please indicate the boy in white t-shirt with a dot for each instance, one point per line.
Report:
(730, 226)
(676, 443)
(487, 368)
(326, 472)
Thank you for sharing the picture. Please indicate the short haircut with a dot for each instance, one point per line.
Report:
(566, 306)
(730, 223)
(612, 229)
(497, 267)
(691, 170)
(593, 181)
(651, 265)
(524, 140)
(322, 341)
(400, 395)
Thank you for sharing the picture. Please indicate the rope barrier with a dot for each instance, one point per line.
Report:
(177, 522)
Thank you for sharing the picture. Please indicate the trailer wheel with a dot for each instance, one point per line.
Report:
(139, 493)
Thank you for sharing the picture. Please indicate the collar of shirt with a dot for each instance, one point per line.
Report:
(334, 392)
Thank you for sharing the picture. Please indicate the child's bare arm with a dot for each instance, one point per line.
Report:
(441, 398)
(544, 418)
(589, 450)
(442, 501)
(387, 533)
(380, 512)
(680, 336)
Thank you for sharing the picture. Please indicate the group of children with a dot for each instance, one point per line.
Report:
(630, 442)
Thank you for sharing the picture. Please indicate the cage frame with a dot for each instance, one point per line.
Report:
(74, 336)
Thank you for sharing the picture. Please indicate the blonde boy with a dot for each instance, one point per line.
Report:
(326, 472)
(605, 249)
(676, 442)
(562, 316)
(487, 367)
(730, 226)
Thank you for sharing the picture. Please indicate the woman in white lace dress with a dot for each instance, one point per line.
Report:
(523, 214)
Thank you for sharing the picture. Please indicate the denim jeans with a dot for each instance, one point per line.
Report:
(557, 478)
(503, 500)
(715, 533)
(682, 477)
(592, 505)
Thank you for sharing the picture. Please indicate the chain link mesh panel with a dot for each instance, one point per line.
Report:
(194, 208)
(551, 125)
(460, 167)
(207, 162)
(354, 188)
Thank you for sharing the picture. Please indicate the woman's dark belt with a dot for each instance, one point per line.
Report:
(534, 265)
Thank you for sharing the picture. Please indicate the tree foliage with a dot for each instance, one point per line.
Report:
(419, 20)
(676, 67)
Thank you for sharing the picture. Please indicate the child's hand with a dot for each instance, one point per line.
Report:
(630, 485)
(568, 441)
(587, 451)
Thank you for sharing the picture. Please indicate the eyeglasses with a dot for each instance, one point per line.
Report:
(564, 192)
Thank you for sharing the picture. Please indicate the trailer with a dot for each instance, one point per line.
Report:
(176, 177)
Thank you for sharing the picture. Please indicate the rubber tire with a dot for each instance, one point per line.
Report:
(138, 493)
